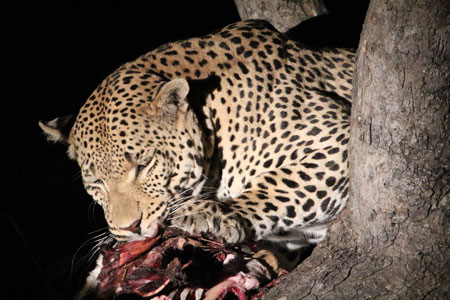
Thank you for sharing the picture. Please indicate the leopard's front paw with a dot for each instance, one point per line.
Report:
(210, 217)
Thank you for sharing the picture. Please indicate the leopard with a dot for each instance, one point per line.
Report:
(242, 133)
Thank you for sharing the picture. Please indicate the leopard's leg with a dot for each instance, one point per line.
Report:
(292, 204)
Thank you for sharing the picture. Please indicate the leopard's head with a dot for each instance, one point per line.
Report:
(139, 145)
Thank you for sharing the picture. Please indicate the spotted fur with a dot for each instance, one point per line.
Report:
(242, 133)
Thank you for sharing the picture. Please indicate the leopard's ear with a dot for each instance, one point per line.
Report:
(58, 130)
(171, 99)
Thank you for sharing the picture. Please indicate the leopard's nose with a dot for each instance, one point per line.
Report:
(135, 227)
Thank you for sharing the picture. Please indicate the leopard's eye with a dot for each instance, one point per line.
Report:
(146, 165)
(139, 168)
(97, 181)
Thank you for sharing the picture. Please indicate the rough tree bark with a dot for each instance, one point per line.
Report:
(282, 14)
(392, 241)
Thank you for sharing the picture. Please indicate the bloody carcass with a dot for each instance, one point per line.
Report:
(175, 265)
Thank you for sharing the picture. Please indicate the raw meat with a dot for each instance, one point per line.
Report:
(175, 265)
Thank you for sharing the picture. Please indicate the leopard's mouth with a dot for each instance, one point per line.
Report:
(151, 231)
(137, 231)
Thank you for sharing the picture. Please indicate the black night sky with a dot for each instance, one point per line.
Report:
(53, 55)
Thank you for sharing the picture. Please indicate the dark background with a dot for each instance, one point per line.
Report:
(53, 54)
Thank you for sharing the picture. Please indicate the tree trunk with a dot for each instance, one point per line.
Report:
(282, 14)
(392, 241)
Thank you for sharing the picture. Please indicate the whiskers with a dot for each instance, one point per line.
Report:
(98, 239)
(75, 177)
(185, 198)
(89, 250)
